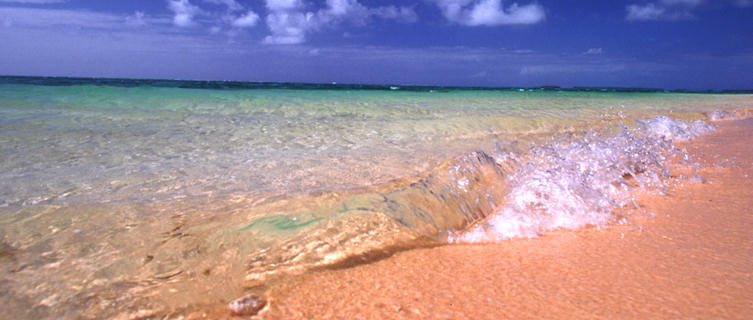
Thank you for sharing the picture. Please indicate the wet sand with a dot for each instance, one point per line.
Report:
(692, 259)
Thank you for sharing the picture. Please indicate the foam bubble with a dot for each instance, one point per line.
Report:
(576, 183)
(663, 126)
(722, 115)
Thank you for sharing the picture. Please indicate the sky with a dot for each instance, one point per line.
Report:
(671, 44)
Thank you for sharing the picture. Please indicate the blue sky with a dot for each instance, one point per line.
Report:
(694, 44)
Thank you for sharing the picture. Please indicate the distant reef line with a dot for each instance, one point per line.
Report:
(244, 85)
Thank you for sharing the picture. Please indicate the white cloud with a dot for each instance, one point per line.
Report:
(343, 7)
(572, 68)
(594, 51)
(490, 12)
(402, 14)
(279, 5)
(646, 12)
(339, 10)
(288, 23)
(662, 10)
(248, 20)
(233, 17)
(184, 12)
(137, 19)
(288, 27)
(232, 5)
(355, 12)
(690, 3)
(53, 18)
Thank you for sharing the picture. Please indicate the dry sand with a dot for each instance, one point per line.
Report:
(693, 259)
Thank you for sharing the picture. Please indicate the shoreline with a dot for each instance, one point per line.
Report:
(694, 258)
(194, 256)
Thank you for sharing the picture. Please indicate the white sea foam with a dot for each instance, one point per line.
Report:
(664, 127)
(722, 115)
(573, 184)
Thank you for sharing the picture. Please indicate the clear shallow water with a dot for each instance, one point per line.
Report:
(121, 191)
(86, 143)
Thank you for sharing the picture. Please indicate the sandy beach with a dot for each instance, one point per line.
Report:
(352, 159)
(689, 254)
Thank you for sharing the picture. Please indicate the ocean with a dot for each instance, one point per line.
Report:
(119, 196)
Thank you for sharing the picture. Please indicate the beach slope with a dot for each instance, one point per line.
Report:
(689, 255)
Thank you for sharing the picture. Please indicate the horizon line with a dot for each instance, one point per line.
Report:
(357, 86)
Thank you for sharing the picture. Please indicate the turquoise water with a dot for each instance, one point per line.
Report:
(127, 188)
(93, 143)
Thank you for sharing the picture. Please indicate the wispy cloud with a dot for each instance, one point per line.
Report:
(137, 19)
(159, 49)
(400, 14)
(234, 17)
(690, 3)
(45, 18)
(290, 23)
(548, 69)
(645, 12)
(487, 66)
(662, 10)
(278, 5)
(594, 51)
(230, 4)
(34, 1)
(490, 12)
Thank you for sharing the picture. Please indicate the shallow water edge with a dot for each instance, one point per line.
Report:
(172, 258)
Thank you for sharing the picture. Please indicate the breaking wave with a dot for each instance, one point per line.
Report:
(567, 183)
(573, 184)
